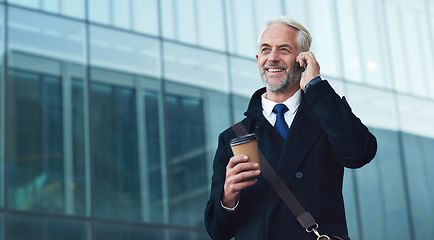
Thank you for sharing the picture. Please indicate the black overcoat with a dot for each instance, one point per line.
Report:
(324, 137)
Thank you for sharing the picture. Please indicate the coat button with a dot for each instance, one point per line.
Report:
(299, 175)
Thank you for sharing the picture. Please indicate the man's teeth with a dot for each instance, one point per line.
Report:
(275, 70)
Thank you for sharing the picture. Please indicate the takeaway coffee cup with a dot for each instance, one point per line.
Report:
(246, 145)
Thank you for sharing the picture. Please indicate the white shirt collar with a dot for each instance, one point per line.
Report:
(291, 103)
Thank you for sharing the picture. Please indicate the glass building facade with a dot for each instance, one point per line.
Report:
(110, 110)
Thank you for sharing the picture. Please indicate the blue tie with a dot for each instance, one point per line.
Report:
(280, 124)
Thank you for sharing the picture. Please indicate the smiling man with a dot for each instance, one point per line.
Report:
(307, 133)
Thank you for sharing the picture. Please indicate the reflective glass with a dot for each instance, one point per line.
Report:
(23, 227)
(145, 16)
(371, 203)
(211, 32)
(239, 106)
(179, 234)
(47, 174)
(115, 151)
(2, 109)
(35, 33)
(349, 191)
(195, 67)
(399, 62)
(245, 76)
(217, 118)
(2, 231)
(64, 7)
(373, 106)
(186, 154)
(26, 3)
(124, 52)
(349, 41)
(392, 184)
(324, 36)
(416, 120)
(116, 231)
(242, 34)
(53, 156)
(426, 86)
(418, 158)
(370, 27)
(121, 13)
(265, 10)
(414, 49)
(99, 11)
(153, 194)
(296, 10)
(431, 22)
(179, 20)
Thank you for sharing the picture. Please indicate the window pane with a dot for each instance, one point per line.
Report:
(26, 3)
(296, 10)
(417, 162)
(23, 227)
(392, 184)
(190, 235)
(121, 13)
(416, 120)
(179, 20)
(99, 11)
(110, 231)
(349, 41)
(195, 67)
(373, 106)
(35, 33)
(79, 184)
(396, 45)
(245, 76)
(2, 111)
(2, 228)
(187, 154)
(211, 31)
(124, 51)
(46, 163)
(154, 199)
(242, 33)
(115, 152)
(370, 202)
(74, 8)
(265, 10)
(370, 27)
(323, 32)
(35, 172)
(145, 16)
(71, 8)
(414, 49)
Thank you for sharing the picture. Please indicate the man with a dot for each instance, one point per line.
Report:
(324, 136)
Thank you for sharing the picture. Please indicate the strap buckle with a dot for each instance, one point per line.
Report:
(319, 236)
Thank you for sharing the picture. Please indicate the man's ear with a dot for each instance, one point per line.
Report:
(257, 56)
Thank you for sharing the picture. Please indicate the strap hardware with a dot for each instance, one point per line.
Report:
(319, 236)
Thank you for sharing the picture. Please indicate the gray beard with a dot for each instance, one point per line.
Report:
(289, 80)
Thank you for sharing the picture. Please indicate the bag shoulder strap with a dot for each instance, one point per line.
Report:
(303, 217)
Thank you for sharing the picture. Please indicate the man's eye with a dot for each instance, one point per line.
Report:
(265, 50)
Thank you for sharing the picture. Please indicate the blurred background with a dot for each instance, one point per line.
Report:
(110, 110)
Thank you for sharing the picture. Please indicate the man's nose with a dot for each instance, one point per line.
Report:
(274, 56)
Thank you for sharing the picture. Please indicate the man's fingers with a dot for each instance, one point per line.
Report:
(238, 186)
(233, 161)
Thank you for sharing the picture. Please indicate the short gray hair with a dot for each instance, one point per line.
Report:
(304, 39)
